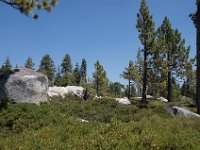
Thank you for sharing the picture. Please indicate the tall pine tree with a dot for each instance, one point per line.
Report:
(146, 29)
(66, 66)
(47, 67)
(173, 53)
(100, 79)
(84, 70)
(67, 70)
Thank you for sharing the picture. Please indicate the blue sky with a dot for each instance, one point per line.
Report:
(91, 29)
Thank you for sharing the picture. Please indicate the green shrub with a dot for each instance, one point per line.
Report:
(54, 125)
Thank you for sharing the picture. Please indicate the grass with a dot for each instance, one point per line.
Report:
(54, 125)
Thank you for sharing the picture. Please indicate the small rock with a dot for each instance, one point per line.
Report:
(82, 120)
(162, 99)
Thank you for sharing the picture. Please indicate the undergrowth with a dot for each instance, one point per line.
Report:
(54, 125)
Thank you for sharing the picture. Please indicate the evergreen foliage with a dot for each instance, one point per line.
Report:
(66, 66)
(26, 6)
(77, 75)
(47, 67)
(115, 89)
(100, 79)
(29, 63)
(173, 55)
(84, 70)
(58, 78)
(146, 29)
(6, 65)
(131, 73)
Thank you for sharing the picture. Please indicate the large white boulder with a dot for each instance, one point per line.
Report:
(175, 110)
(23, 85)
(162, 99)
(57, 91)
(124, 101)
(62, 91)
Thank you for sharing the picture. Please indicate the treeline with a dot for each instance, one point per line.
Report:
(66, 75)
(163, 62)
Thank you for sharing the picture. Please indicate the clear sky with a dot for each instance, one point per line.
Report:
(91, 29)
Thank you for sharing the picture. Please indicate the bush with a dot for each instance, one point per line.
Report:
(3, 104)
(111, 125)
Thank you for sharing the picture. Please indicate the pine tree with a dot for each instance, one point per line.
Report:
(26, 6)
(47, 67)
(173, 54)
(77, 74)
(100, 79)
(66, 66)
(66, 70)
(58, 79)
(132, 75)
(146, 28)
(84, 70)
(115, 89)
(29, 63)
(189, 77)
(6, 65)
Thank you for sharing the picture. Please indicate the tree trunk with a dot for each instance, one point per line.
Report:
(129, 89)
(198, 58)
(169, 87)
(144, 90)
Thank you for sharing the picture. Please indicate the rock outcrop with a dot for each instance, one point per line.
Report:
(175, 110)
(23, 85)
(124, 101)
(62, 91)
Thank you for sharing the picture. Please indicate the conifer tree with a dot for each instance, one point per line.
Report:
(47, 67)
(6, 65)
(84, 70)
(100, 79)
(66, 66)
(29, 63)
(66, 70)
(115, 89)
(58, 79)
(77, 74)
(146, 29)
(26, 6)
(173, 53)
(132, 75)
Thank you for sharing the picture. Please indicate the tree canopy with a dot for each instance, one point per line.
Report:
(26, 7)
